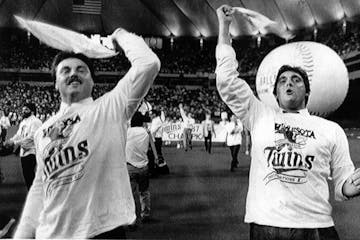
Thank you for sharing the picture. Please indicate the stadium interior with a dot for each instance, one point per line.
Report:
(183, 33)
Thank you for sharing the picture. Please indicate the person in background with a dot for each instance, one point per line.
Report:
(4, 125)
(222, 127)
(24, 138)
(247, 141)
(156, 130)
(233, 140)
(137, 146)
(188, 122)
(208, 131)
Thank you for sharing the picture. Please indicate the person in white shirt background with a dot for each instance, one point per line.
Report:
(4, 125)
(223, 122)
(247, 141)
(24, 138)
(208, 131)
(82, 187)
(293, 154)
(137, 146)
(156, 130)
(188, 123)
(233, 139)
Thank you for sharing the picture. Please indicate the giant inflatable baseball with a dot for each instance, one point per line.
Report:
(327, 73)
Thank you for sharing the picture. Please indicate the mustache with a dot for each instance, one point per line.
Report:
(73, 78)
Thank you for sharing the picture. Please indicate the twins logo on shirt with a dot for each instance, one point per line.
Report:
(63, 163)
(289, 164)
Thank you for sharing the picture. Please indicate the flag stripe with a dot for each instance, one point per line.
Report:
(89, 7)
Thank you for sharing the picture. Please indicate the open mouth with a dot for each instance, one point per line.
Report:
(289, 91)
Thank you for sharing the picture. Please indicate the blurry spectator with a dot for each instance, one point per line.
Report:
(24, 138)
(188, 123)
(4, 125)
(233, 139)
(156, 130)
(208, 131)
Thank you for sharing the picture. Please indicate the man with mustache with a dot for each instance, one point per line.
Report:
(82, 188)
(293, 153)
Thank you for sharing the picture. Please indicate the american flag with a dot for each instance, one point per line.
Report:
(87, 6)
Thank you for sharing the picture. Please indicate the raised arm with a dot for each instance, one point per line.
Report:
(182, 112)
(234, 91)
(145, 66)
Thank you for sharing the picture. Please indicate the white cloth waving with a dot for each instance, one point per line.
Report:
(65, 40)
(263, 24)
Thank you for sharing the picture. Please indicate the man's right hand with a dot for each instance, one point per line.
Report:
(225, 14)
(114, 40)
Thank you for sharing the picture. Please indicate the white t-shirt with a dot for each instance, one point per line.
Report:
(188, 122)
(234, 133)
(82, 187)
(293, 155)
(137, 145)
(157, 127)
(4, 122)
(25, 135)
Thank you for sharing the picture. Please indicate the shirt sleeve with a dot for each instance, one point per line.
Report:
(33, 205)
(155, 126)
(17, 135)
(183, 114)
(35, 125)
(132, 88)
(234, 91)
(341, 164)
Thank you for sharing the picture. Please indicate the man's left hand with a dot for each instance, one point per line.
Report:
(351, 187)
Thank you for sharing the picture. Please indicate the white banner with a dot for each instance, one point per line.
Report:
(175, 131)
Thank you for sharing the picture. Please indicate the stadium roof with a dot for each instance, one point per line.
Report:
(177, 17)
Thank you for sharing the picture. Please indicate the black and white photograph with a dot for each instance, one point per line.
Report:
(180, 119)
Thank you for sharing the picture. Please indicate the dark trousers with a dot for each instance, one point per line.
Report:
(28, 164)
(3, 134)
(117, 233)
(158, 145)
(208, 142)
(234, 155)
(260, 232)
(187, 138)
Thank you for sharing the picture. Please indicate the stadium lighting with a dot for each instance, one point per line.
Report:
(28, 36)
(344, 25)
(171, 41)
(315, 32)
(258, 40)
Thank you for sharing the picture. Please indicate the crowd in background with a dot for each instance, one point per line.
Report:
(15, 94)
(184, 57)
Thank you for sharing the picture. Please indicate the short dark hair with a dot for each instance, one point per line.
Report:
(31, 106)
(138, 119)
(297, 70)
(65, 55)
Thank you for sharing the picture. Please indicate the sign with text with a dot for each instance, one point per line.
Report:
(175, 132)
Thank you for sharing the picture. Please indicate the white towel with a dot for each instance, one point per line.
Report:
(65, 40)
(263, 24)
